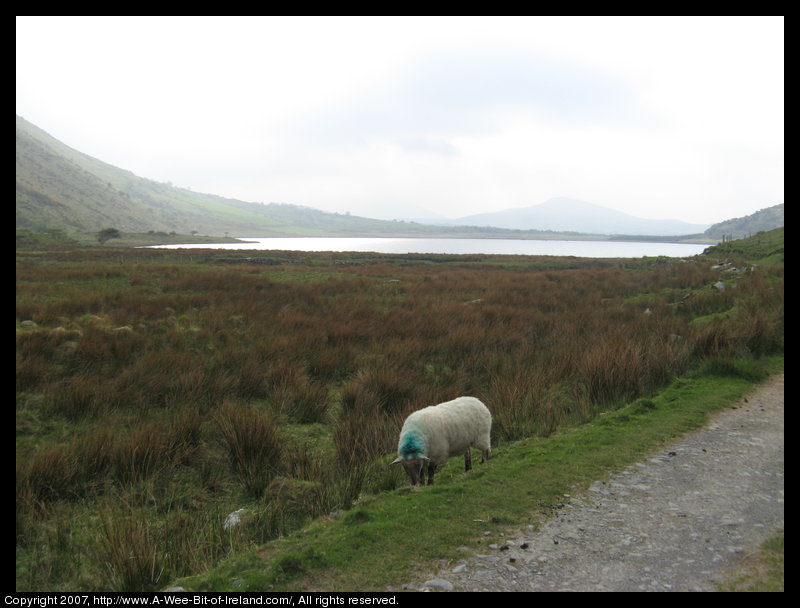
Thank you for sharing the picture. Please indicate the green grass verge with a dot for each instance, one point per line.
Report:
(386, 538)
(762, 571)
(763, 248)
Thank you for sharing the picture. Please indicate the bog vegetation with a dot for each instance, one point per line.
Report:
(159, 391)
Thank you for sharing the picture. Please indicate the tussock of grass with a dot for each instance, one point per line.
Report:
(253, 445)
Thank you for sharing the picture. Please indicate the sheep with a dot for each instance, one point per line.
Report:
(433, 434)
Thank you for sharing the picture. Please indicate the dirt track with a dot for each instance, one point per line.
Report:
(676, 522)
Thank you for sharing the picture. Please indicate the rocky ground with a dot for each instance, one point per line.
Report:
(679, 521)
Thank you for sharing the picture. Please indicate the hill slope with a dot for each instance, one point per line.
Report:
(740, 227)
(59, 187)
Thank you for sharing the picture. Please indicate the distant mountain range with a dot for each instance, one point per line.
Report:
(567, 214)
(58, 187)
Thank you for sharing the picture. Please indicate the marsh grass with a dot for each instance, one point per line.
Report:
(379, 543)
(140, 552)
(166, 385)
(253, 444)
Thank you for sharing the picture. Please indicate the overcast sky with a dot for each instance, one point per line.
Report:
(660, 117)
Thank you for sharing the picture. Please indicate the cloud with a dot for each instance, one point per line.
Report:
(655, 116)
(469, 93)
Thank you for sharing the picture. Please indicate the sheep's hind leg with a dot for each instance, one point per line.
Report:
(468, 460)
(484, 456)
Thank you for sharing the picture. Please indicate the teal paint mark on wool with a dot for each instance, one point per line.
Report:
(412, 446)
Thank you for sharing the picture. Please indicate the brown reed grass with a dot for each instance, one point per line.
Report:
(253, 444)
(164, 383)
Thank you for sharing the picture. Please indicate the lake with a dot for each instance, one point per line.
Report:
(588, 249)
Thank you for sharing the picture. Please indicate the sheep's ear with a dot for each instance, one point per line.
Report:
(397, 460)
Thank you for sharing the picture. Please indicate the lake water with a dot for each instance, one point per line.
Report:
(588, 249)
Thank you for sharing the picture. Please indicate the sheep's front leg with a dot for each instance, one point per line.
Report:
(484, 456)
(431, 471)
(468, 460)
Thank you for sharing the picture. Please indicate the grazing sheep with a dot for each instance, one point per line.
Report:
(431, 435)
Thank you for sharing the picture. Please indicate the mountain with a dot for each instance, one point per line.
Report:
(566, 214)
(741, 227)
(61, 188)
(58, 187)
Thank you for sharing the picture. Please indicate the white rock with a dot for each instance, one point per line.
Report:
(233, 519)
(439, 583)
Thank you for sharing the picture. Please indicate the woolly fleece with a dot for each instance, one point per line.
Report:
(445, 430)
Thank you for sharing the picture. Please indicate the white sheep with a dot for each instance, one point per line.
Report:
(431, 435)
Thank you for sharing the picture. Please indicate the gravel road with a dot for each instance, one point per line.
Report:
(676, 522)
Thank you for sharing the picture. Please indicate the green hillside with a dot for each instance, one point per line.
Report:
(61, 189)
(58, 187)
(741, 227)
(763, 247)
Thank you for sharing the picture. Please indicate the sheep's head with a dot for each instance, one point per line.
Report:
(414, 468)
